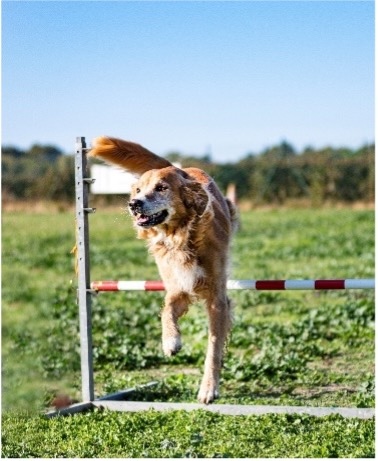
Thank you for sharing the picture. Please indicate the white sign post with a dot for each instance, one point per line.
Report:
(111, 180)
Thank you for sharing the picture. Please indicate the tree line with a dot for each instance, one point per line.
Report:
(277, 175)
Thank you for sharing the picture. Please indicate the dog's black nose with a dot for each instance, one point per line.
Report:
(135, 205)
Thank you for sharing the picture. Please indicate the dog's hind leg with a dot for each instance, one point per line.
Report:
(219, 312)
(175, 306)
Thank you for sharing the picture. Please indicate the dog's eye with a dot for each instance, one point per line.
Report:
(137, 190)
(161, 188)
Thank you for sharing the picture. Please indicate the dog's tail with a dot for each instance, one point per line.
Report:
(128, 155)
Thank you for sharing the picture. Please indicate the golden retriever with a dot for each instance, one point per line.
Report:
(188, 225)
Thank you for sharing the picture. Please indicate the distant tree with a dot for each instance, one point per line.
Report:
(49, 152)
(58, 181)
(276, 175)
(23, 170)
(12, 151)
(174, 157)
(308, 150)
(281, 151)
(227, 173)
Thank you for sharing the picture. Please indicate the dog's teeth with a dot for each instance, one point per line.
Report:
(152, 219)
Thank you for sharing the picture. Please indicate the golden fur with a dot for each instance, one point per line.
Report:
(188, 225)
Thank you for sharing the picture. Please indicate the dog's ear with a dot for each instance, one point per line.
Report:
(194, 196)
(128, 155)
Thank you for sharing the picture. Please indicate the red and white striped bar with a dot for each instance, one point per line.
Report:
(270, 285)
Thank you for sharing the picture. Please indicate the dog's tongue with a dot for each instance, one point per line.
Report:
(152, 219)
(143, 218)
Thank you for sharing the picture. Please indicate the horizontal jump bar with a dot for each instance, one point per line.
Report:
(150, 285)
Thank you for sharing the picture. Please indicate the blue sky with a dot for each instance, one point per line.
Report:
(226, 77)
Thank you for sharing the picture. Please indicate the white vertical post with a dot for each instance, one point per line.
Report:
(82, 242)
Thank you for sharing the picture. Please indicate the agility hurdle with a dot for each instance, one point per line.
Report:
(271, 285)
(86, 289)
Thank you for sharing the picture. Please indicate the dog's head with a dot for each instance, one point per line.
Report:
(163, 194)
(166, 196)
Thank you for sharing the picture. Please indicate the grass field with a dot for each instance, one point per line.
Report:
(292, 348)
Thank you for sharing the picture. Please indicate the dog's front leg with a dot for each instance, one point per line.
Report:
(175, 306)
(219, 312)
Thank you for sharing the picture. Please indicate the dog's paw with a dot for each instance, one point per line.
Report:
(207, 394)
(171, 345)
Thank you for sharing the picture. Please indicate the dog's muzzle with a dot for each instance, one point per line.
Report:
(145, 218)
(136, 206)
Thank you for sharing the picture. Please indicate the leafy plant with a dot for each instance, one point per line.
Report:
(286, 348)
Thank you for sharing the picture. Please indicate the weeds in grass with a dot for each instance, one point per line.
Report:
(303, 348)
(188, 435)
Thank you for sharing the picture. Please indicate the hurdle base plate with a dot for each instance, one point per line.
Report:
(224, 409)
(114, 402)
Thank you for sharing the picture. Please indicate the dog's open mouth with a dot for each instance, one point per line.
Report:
(153, 219)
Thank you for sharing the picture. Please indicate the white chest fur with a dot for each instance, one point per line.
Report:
(178, 274)
(178, 268)
(185, 278)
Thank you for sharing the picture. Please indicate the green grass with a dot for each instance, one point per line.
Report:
(292, 348)
(182, 434)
